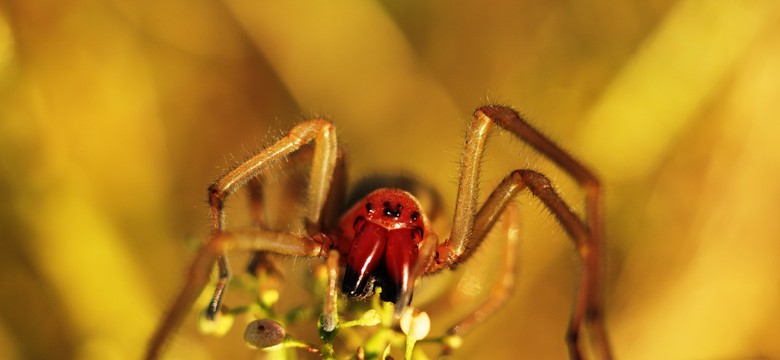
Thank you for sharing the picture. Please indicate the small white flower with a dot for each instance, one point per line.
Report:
(415, 324)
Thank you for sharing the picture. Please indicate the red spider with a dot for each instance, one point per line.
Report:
(385, 240)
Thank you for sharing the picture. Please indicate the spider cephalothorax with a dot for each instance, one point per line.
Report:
(382, 237)
(385, 240)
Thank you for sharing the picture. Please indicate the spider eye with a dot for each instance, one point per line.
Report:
(415, 216)
(369, 207)
(390, 212)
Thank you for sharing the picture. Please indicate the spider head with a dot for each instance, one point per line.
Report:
(386, 230)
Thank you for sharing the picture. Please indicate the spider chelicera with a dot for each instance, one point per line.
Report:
(385, 239)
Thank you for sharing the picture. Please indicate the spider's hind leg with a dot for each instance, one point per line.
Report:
(504, 284)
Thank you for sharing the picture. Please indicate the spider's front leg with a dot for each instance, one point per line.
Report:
(470, 227)
(325, 160)
(323, 135)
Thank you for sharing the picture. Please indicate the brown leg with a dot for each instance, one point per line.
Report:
(540, 186)
(592, 306)
(323, 135)
(331, 211)
(469, 228)
(330, 313)
(335, 201)
(198, 276)
(505, 284)
(261, 262)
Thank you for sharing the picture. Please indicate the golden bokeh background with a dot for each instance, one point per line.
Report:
(116, 115)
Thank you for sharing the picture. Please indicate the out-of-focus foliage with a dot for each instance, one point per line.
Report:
(116, 115)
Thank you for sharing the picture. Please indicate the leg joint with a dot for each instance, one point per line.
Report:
(216, 197)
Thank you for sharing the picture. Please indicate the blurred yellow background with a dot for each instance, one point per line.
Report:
(116, 115)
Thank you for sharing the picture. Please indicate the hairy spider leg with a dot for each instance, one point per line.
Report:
(504, 284)
(262, 262)
(330, 315)
(198, 276)
(325, 160)
(323, 135)
(589, 304)
(470, 228)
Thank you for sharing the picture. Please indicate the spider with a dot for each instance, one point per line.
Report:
(386, 241)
